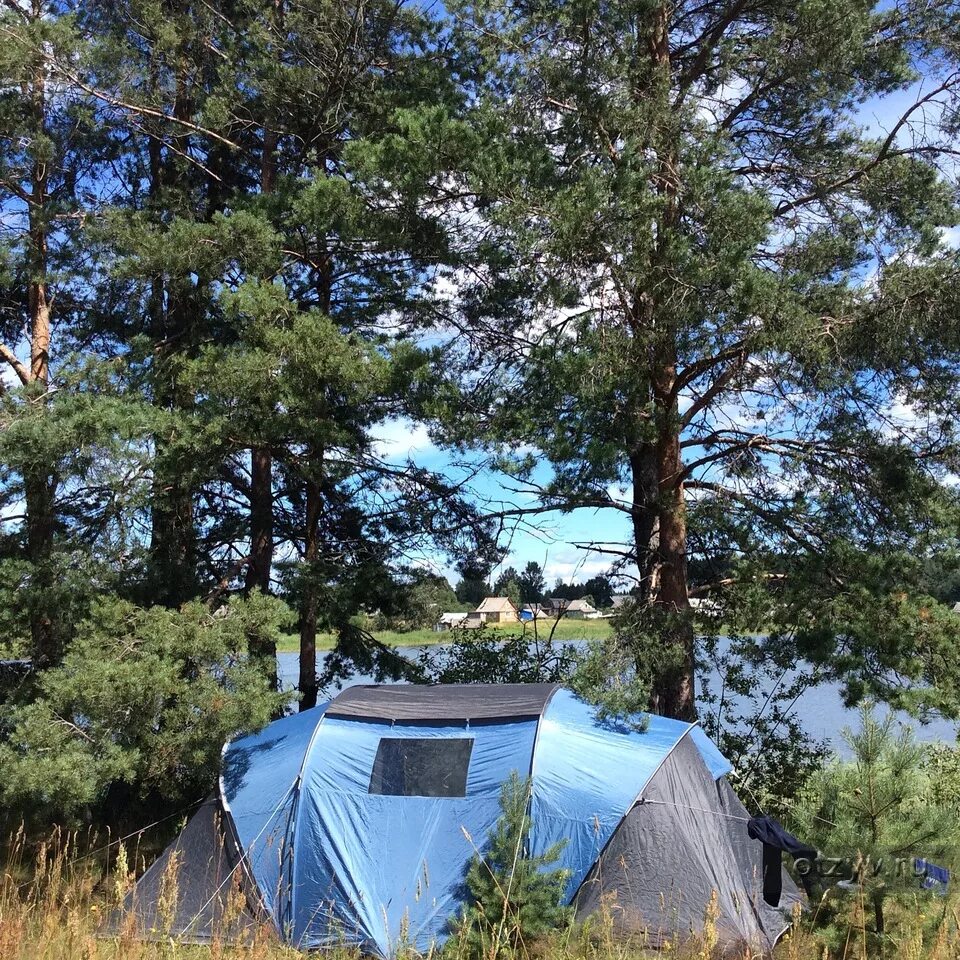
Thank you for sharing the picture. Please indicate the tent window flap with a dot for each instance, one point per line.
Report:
(421, 767)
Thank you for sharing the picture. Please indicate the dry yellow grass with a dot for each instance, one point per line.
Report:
(53, 899)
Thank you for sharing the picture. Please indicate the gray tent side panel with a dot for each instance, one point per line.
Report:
(205, 901)
(749, 853)
(667, 857)
(449, 701)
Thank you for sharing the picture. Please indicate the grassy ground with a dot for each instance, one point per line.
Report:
(52, 902)
(562, 630)
(55, 893)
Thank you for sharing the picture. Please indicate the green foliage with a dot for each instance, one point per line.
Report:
(140, 706)
(883, 805)
(268, 234)
(419, 602)
(751, 714)
(882, 636)
(508, 585)
(941, 764)
(598, 590)
(531, 582)
(490, 655)
(514, 901)
(619, 672)
(471, 591)
(681, 203)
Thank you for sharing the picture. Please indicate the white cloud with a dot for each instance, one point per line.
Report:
(13, 512)
(950, 237)
(621, 493)
(713, 108)
(576, 570)
(902, 420)
(402, 439)
(8, 378)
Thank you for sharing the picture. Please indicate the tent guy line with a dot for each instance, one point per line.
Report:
(684, 806)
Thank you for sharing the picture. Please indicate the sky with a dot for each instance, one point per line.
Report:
(548, 539)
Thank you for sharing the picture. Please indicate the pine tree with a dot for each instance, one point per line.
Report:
(703, 282)
(51, 160)
(877, 811)
(532, 583)
(514, 901)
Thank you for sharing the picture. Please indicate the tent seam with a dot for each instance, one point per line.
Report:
(225, 807)
(536, 735)
(241, 850)
(636, 800)
(297, 799)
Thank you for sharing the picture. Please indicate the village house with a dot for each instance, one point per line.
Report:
(572, 609)
(495, 610)
(581, 610)
(449, 621)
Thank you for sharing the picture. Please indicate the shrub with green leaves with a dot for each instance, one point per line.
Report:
(482, 655)
(514, 901)
(139, 708)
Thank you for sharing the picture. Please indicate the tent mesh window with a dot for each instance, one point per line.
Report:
(421, 767)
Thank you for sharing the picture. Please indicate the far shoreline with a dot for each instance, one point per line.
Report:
(428, 637)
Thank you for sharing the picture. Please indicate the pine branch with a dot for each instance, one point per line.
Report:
(19, 368)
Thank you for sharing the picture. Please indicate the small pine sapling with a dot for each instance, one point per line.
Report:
(874, 813)
(513, 901)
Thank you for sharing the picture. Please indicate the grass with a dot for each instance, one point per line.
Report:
(564, 630)
(53, 896)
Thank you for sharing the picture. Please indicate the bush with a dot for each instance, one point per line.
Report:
(139, 708)
(494, 656)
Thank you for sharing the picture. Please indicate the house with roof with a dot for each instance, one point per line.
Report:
(581, 610)
(495, 610)
(450, 621)
(572, 609)
(555, 606)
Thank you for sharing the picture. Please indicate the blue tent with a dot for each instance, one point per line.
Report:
(353, 823)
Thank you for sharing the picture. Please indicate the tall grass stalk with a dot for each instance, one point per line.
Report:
(54, 897)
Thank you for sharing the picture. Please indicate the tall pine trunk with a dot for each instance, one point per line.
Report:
(660, 535)
(644, 515)
(261, 520)
(309, 606)
(674, 690)
(40, 483)
(173, 546)
(261, 457)
(261, 476)
(314, 501)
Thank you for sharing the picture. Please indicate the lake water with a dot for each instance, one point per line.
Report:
(820, 708)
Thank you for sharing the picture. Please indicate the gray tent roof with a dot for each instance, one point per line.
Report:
(451, 701)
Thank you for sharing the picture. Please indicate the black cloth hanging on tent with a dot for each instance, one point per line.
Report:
(776, 840)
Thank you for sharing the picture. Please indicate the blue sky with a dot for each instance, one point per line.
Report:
(549, 539)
